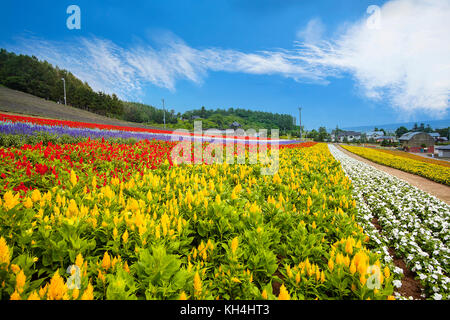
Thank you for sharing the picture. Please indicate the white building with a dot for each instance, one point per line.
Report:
(443, 151)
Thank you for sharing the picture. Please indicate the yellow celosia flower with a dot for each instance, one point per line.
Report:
(34, 296)
(15, 296)
(43, 291)
(79, 261)
(234, 244)
(20, 281)
(331, 264)
(264, 294)
(106, 262)
(10, 200)
(73, 178)
(75, 294)
(387, 272)
(15, 268)
(309, 202)
(57, 290)
(28, 203)
(88, 294)
(352, 268)
(183, 296)
(4, 252)
(284, 294)
(363, 279)
(125, 236)
(197, 285)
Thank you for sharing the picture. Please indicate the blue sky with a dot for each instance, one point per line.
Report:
(263, 55)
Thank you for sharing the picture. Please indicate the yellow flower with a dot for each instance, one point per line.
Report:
(34, 296)
(352, 268)
(236, 280)
(363, 279)
(234, 244)
(106, 262)
(125, 236)
(36, 195)
(43, 291)
(349, 247)
(75, 294)
(387, 273)
(4, 252)
(72, 210)
(284, 294)
(183, 296)
(88, 294)
(15, 296)
(391, 298)
(15, 268)
(20, 281)
(297, 277)
(73, 178)
(79, 260)
(10, 201)
(309, 202)
(197, 285)
(57, 289)
(331, 264)
(28, 203)
(264, 294)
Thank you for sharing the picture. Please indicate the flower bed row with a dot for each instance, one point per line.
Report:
(413, 222)
(215, 231)
(415, 157)
(113, 129)
(431, 171)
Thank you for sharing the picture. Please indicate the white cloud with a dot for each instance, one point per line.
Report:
(313, 32)
(405, 61)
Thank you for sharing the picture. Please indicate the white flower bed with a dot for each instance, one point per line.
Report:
(413, 222)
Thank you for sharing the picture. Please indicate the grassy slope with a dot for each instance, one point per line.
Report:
(26, 104)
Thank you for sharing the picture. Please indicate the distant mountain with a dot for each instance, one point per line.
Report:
(435, 124)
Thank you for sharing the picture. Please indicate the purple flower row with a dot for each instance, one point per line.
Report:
(31, 129)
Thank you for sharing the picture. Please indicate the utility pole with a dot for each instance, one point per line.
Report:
(64, 82)
(300, 119)
(164, 114)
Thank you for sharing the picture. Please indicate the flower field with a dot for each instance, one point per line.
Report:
(415, 157)
(413, 222)
(103, 220)
(432, 171)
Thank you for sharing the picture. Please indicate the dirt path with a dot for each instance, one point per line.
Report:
(436, 189)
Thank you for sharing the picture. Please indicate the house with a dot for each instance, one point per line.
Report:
(443, 151)
(349, 135)
(235, 125)
(385, 138)
(417, 142)
(435, 135)
(374, 134)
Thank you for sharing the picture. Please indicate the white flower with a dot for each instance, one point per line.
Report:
(437, 296)
(397, 283)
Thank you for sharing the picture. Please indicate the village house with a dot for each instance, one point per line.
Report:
(443, 151)
(417, 142)
(349, 136)
(385, 138)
